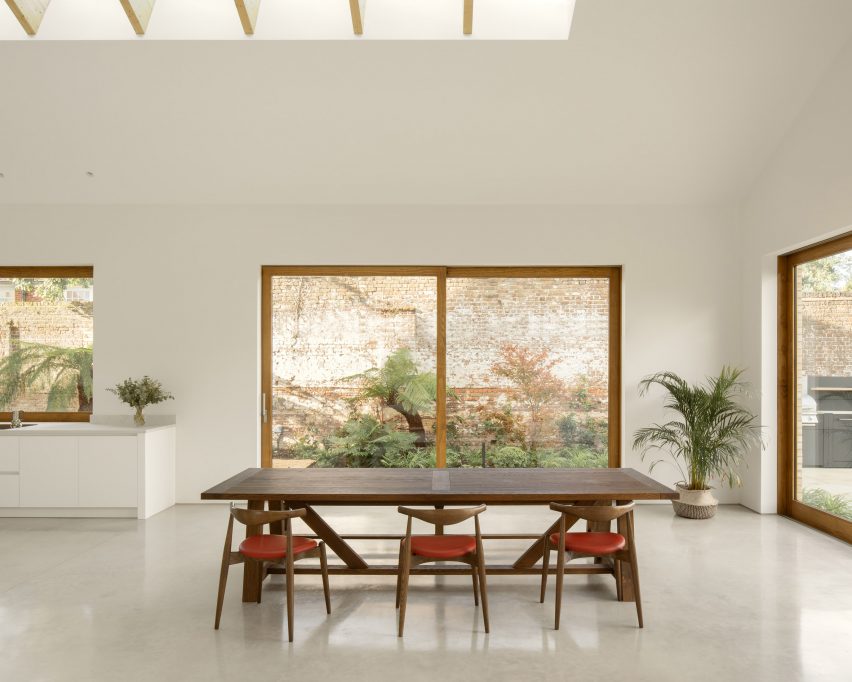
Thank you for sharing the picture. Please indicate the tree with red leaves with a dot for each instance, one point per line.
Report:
(534, 385)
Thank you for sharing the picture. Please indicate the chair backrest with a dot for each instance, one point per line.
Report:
(442, 517)
(593, 512)
(257, 517)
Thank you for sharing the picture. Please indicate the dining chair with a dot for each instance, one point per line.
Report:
(420, 549)
(611, 548)
(271, 549)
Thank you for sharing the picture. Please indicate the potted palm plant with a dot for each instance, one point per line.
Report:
(707, 439)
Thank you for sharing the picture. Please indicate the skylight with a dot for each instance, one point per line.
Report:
(288, 19)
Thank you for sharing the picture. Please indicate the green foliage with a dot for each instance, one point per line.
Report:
(141, 392)
(399, 383)
(492, 426)
(66, 373)
(581, 398)
(839, 505)
(365, 442)
(590, 432)
(419, 458)
(574, 458)
(463, 458)
(50, 288)
(714, 431)
(832, 274)
(512, 457)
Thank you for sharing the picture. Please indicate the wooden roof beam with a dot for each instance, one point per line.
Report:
(139, 12)
(356, 9)
(29, 13)
(247, 9)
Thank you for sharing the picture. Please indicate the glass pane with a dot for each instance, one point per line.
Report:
(824, 384)
(46, 344)
(527, 371)
(353, 371)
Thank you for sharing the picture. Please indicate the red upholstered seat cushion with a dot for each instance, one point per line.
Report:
(597, 544)
(442, 546)
(273, 546)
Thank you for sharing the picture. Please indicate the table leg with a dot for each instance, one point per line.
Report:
(276, 528)
(251, 584)
(536, 550)
(336, 543)
(626, 573)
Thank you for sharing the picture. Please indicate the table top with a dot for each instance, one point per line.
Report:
(439, 486)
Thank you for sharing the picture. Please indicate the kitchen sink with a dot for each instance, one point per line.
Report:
(7, 425)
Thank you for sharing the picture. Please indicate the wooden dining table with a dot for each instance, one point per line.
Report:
(308, 488)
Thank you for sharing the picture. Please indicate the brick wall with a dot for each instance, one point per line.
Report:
(826, 335)
(325, 329)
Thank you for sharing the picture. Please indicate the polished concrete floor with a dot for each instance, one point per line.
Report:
(739, 597)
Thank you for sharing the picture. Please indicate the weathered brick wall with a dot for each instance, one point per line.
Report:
(826, 335)
(325, 329)
(57, 324)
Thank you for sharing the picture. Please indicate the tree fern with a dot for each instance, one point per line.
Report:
(65, 373)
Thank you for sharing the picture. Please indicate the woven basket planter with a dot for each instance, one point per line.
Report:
(695, 504)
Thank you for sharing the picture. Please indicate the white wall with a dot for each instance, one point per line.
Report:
(803, 196)
(178, 292)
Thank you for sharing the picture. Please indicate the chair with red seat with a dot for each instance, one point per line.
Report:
(420, 549)
(611, 548)
(271, 549)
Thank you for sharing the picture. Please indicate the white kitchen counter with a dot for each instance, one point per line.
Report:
(108, 468)
(81, 429)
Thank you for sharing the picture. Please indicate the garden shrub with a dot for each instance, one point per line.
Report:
(509, 456)
(839, 505)
(590, 433)
(365, 442)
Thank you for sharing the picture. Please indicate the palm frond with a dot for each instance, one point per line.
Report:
(715, 431)
(36, 366)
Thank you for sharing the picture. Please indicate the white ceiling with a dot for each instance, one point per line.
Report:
(647, 102)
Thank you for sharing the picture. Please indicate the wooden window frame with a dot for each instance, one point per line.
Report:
(612, 273)
(36, 271)
(788, 505)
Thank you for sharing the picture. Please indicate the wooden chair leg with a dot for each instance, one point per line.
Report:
(260, 569)
(560, 577)
(473, 574)
(399, 572)
(483, 589)
(545, 566)
(324, 568)
(223, 581)
(618, 591)
(403, 589)
(290, 597)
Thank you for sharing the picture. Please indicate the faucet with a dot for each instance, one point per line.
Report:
(16, 419)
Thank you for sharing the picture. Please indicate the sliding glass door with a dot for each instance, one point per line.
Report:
(816, 374)
(432, 366)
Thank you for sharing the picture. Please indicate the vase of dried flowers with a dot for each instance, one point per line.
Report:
(140, 393)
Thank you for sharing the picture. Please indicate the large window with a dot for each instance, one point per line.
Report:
(815, 375)
(423, 367)
(46, 343)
